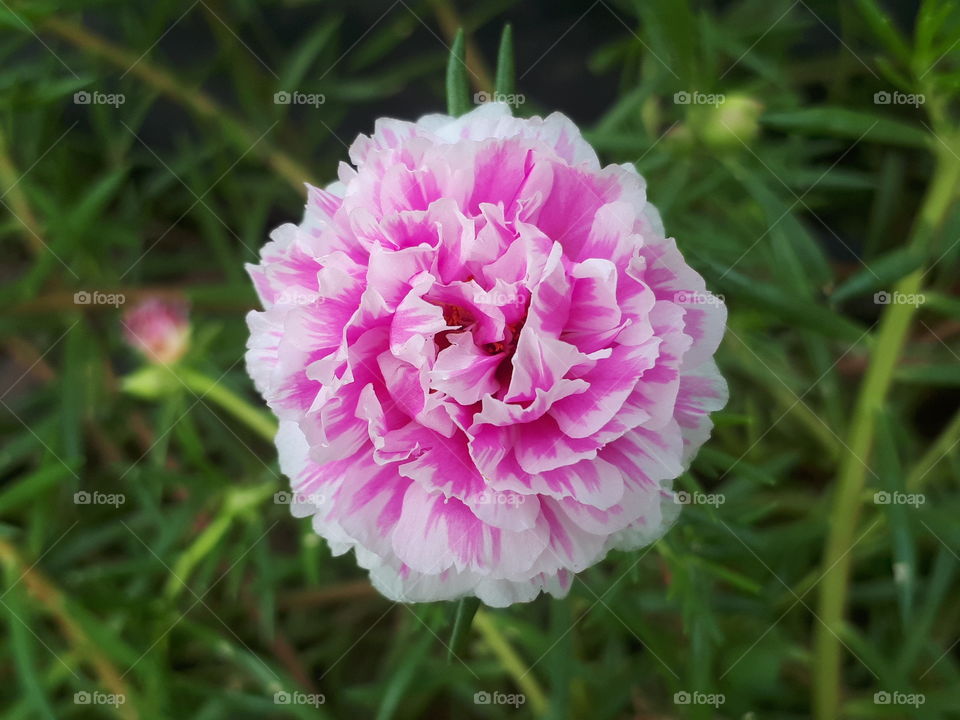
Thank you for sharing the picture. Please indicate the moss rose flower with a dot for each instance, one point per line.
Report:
(488, 361)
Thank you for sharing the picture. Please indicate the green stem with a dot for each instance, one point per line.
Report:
(205, 387)
(511, 662)
(466, 609)
(851, 478)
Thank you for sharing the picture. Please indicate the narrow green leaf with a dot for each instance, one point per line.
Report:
(854, 124)
(885, 31)
(505, 82)
(32, 486)
(904, 546)
(458, 86)
(878, 274)
(941, 375)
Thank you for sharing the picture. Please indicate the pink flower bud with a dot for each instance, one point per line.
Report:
(158, 329)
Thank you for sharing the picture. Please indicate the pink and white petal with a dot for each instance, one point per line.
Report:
(505, 509)
(645, 458)
(570, 546)
(540, 446)
(702, 392)
(593, 482)
(413, 327)
(612, 380)
(464, 371)
(540, 364)
(445, 466)
(655, 393)
(368, 503)
(595, 318)
(435, 533)
(637, 503)
(262, 356)
(672, 279)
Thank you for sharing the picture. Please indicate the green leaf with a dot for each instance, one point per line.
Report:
(31, 486)
(789, 308)
(904, 546)
(505, 82)
(945, 375)
(877, 274)
(458, 85)
(854, 124)
(885, 30)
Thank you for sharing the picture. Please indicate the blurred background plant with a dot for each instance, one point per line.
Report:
(805, 155)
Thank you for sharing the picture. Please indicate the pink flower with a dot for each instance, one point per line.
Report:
(158, 329)
(488, 362)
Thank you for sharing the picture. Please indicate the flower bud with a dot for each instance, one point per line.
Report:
(158, 329)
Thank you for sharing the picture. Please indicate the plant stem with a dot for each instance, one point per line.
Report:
(511, 662)
(851, 478)
(205, 387)
(466, 609)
